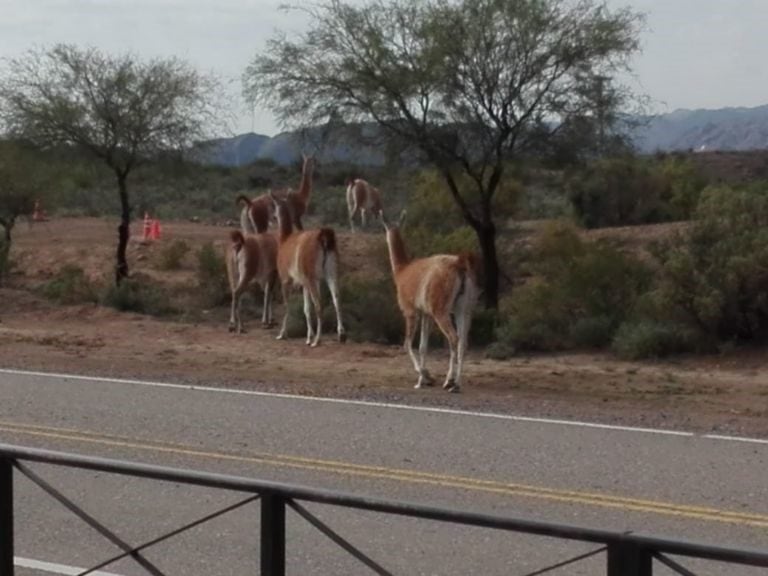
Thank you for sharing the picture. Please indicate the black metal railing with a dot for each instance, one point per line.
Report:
(628, 554)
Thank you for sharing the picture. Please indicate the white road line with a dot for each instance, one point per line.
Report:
(433, 410)
(734, 439)
(55, 568)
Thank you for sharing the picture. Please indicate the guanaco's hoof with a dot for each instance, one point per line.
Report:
(424, 383)
(343, 337)
(451, 386)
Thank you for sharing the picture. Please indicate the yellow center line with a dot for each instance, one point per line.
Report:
(402, 475)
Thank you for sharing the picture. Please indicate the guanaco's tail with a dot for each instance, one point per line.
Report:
(470, 263)
(237, 239)
(242, 198)
(327, 239)
(470, 271)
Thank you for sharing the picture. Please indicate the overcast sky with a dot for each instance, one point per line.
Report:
(696, 53)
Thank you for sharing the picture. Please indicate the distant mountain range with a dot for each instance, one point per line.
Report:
(723, 129)
(355, 145)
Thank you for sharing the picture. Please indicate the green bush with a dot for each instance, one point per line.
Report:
(297, 327)
(500, 351)
(371, 312)
(70, 286)
(212, 282)
(329, 205)
(431, 206)
(534, 323)
(628, 190)
(545, 200)
(684, 186)
(421, 241)
(714, 278)
(140, 295)
(649, 339)
(484, 325)
(618, 192)
(592, 331)
(579, 295)
(172, 255)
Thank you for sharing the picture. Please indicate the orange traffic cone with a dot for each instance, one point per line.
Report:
(155, 229)
(38, 214)
(147, 227)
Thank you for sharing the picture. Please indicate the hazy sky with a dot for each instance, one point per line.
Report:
(696, 53)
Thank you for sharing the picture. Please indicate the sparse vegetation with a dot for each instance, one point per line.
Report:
(5, 259)
(139, 294)
(71, 286)
(23, 177)
(649, 339)
(171, 256)
(212, 283)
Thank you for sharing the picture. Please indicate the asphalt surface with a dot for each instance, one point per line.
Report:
(682, 486)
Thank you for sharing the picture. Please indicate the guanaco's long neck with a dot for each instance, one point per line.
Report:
(398, 257)
(284, 222)
(305, 188)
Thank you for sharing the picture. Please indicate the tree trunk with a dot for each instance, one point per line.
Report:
(486, 236)
(5, 248)
(123, 231)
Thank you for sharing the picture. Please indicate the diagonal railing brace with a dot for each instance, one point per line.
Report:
(6, 516)
(88, 519)
(679, 568)
(317, 523)
(169, 535)
(573, 560)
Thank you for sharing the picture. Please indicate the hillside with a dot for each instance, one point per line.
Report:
(727, 129)
(700, 130)
(355, 145)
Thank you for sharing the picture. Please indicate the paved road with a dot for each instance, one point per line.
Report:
(686, 486)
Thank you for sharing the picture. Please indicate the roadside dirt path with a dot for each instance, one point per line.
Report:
(726, 393)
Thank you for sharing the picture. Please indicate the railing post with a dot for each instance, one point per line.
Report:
(6, 517)
(272, 535)
(629, 559)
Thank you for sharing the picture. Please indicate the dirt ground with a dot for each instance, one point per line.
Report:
(726, 393)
